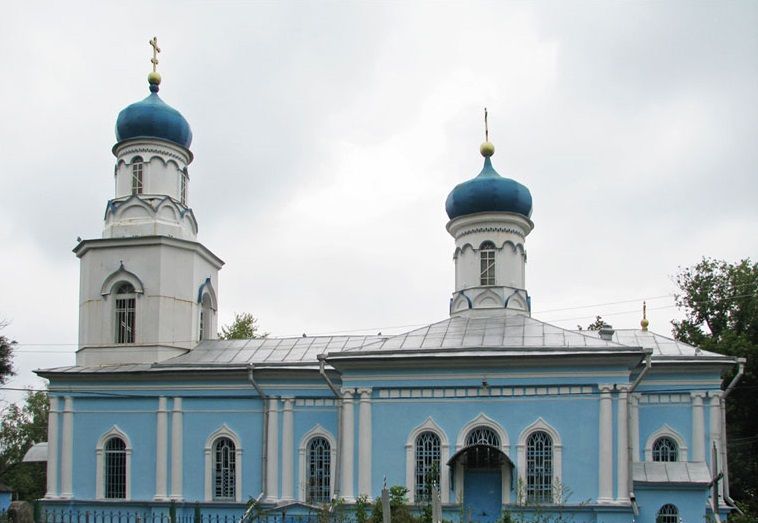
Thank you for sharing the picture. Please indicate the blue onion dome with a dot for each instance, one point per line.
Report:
(488, 192)
(153, 118)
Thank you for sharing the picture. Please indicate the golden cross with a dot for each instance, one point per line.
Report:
(156, 50)
(486, 129)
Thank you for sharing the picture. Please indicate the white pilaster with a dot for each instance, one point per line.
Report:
(348, 448)
(67, 448)
(272, 451)
(698, 427)
(287, 449)
(715, 426)
(52, 449)
(635, 426)
(605, 444)
(177, 450)
(364, 443)
(161, 450)
(622, 455)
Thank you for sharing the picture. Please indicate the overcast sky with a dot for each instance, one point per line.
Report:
(327, 136)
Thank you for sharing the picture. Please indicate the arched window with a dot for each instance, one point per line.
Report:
(115, 468)
(487, 263)
(125, 312)
(206, 315)
(137, 171)
(483, 436)
(427, 465)
(539, 468)
(183, 187)
(318, 488)
(224, 469)
(667, 514)
(665, 449)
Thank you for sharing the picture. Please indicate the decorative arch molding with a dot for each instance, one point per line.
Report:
(666, 431)
(316, 432)
(489, 299)
(516, 301)
(113, 432)
(483, 420)
(119, 275)
(429, 425)
(515, 247)
(544, 426)
(223, 432)
(460, 303)
(207, 288)
(152, 206)
(150, 152)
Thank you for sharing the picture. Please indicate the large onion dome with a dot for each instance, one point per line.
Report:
(488, 192)
(153, 118)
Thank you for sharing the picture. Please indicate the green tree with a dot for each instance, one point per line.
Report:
(244, 326)
(596, 325)
(720, 302)
(6, 356)
(20, 428)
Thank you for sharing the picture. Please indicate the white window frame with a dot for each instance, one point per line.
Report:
(541, 426)
(487, 254)
(316, 432)
(113, 432)
(223, 432)
(667, 431)
(137, 175)
(410, 459)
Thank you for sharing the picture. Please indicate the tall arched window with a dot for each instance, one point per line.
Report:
(665, 449)
(115, 468)
(427, 465)
(183, 187)
(487, 263)
(137, 172)
(125, 312)
(539, 467)
(206, 315)
(224, 469)
(319, 479)
(667, 514)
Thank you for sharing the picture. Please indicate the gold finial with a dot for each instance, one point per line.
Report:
(154, 78)
(487, 149)
(644, 323)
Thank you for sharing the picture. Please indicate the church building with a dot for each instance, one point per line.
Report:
(490, 409)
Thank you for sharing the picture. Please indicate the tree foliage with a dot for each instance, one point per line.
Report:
(20, 428)
(6, 357)
(244, 326)
(720, 301)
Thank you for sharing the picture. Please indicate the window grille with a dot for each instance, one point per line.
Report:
(487, 263)
(539, 468)
(115, 468)
(224, 469)
(427, 464)
(125, 304)
(183, 188)
(319, 471)
(665, 449)
(667, 514)
(483, 436)
(137, 169)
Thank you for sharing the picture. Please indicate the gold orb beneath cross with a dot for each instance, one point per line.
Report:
(154, 78)
(487, 149)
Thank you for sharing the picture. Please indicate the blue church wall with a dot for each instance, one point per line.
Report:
(691, 503)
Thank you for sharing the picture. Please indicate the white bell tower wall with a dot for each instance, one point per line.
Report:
(507, 233)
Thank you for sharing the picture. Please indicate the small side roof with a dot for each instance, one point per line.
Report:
(671, 472)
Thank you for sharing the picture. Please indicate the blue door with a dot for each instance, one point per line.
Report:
(482, 494)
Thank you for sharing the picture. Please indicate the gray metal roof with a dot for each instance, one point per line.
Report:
(682, 472)
(662, 346)
(509, 330)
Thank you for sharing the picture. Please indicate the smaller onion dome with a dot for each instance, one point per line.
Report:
(153, 118)
(488, 192)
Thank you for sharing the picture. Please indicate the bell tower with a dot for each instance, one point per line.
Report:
(489, 220)
(147, 287)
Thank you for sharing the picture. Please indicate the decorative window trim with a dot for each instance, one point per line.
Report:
(315, 432)
(118, 276)
(483, 420)
(114, 431)
(223, 432)
(429, 425)
(544, 426)
(667, 431)
(207, 288)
